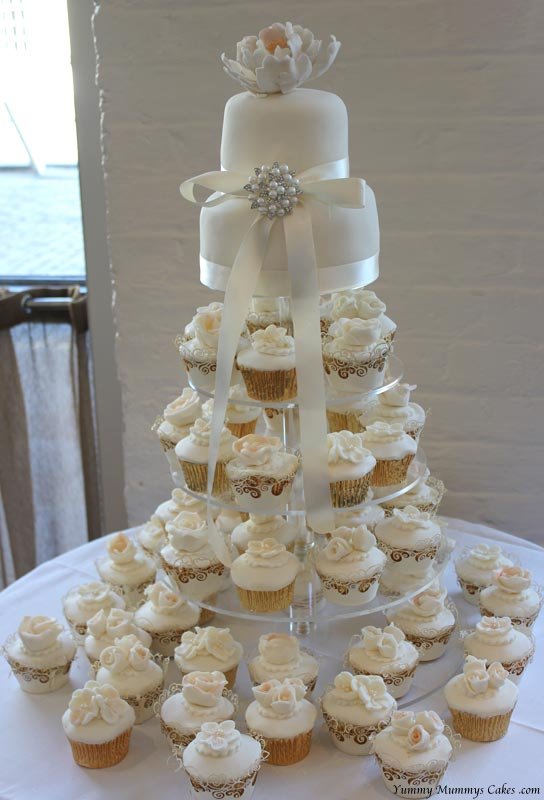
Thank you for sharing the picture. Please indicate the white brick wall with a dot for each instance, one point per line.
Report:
(447, 124)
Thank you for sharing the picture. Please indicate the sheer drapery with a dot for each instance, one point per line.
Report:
(49, 499)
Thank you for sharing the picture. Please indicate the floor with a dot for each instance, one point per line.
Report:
(40, 224)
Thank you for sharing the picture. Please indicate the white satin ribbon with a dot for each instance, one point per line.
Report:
(318, 184)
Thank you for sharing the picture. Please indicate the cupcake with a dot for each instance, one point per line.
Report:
(426, 621)
(82, 603)
(426, 495)
(475, 569)
(393, 450)
(40, 654)
(280, 657)
(241, 417)
(409, 538)
(363, 304)
(394, 405)
(189, 559)
(98, 724)
(222, 762)
(355, 709)
(369, 515)
(107, 626)
(268, 366)
(260, 526)
(413, 751)
(386, 653)
(152, 536)
(207, 650)
(165, 616)
(349, 566)
(177, 418)
(283, 718)
(350, 467)
(264, 575)
(137, 675)
(178, 502)
(343, 411)
(193, 453)
(511, 595)
(261, 474)
(267, 311)
(354, 357)
(199, 354)
(126, 568)
(495, 639)
(481, 700)
(200, 699)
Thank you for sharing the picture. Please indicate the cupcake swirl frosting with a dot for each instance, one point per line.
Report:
(416, 731)
(122, 550)
(354, 335)
(207, 324)
(39, 633)
(345, 446)
(254, 450)
(279, 699)
(184, 409)
(382, 432)
(348, 544)
(201, 431)
(273, 341)
(218, 739)
(512, 580)
(162, 599)
(187, 532)
(96, 595)
(398, 396)
(279, 650)
(495, 630)
(216, 642)
(411, 518)
(128, 653)
(96, 702)
(383, 644)
(264, 525)
(152, 533)
(112, 624)
(369, 691)
(203, 689)
(429, 603)
(360, 303)
(484, 556)
(267, 553)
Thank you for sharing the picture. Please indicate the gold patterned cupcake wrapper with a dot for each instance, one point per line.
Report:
(344, 421)
(196, 477)
(284, 752)
(220, 789)
(430, 508)
(470, 588)
(427, 777)
(273, 600)
(99, 756)
(387, 473)
(522, 622)
(256, 487)
(347, 732)
(348, 493)
(480, 729)
(55, 676)
(394, 679)
(206, 365)
(346, 367)
(273, 386)
(396, 555)
(424, 643)
(344, 587)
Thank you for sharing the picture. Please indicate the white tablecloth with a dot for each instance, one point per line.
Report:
(36, 762)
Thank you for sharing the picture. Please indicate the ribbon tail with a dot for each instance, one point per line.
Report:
(302, 266)
(238, 293)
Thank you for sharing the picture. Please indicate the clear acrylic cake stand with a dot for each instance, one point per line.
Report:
(322, 626)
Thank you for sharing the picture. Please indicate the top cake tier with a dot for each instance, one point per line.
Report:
(304, 129)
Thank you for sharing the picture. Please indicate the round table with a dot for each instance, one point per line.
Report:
(36, 762)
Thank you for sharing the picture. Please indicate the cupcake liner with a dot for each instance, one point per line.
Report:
(274, 386)
(273, 600)
(400, 780)
(386, 473)
(185, 575)
(206, 366)
(349, 736)
(346, 421)
(521, 623)
(429, 507)
(240, 429)
(196, 477)
(39, 680)
(471, 591)
(267, 488)
(396, 555)
(98, 756)
(348, 493)
(143, 704)
(223, 788)
(284, 752)
(348, 370)
(480, 729)
(176, 738)
(426, 644)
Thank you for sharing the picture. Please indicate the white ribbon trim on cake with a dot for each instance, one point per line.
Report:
(318, 184)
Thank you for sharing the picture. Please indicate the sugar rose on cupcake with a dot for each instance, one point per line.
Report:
(385, 652)
(512, 595)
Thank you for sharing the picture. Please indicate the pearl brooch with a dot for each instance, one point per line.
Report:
(273, 190)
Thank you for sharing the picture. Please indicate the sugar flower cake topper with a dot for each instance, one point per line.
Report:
(280, 58)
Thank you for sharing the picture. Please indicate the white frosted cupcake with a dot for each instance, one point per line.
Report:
(40, 654)
(396, 584)
(207, 650)
(368, 515)
(98, 724)
(495, 639)
(343, 411)
(200, 698)
(409, 538)
(426, 495)
(222, 762)
(283, 718)
(261, 474)
(268, 366)
(264, 575)
(394, 405)
(177, 418)
(189, 559)
(350, 467)
(481, 700)
(107, 626)
(126, 568)
(178, 502)
(363, 304)
(355, 709)
(228, 519)
(267, 526)
(241, 418)
(199, 353)
(426, 621)
(475, 569)
(267, 311)
(280, 657)
(393, 450)
(165, 616)
(386, 653)
(82, 602)
(138, 676)
(413, 751)
(511, 595)
(193, 453)
(349, 566)
(355, 355)
(152, 536)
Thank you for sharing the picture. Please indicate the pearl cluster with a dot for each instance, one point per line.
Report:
(273, 190)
